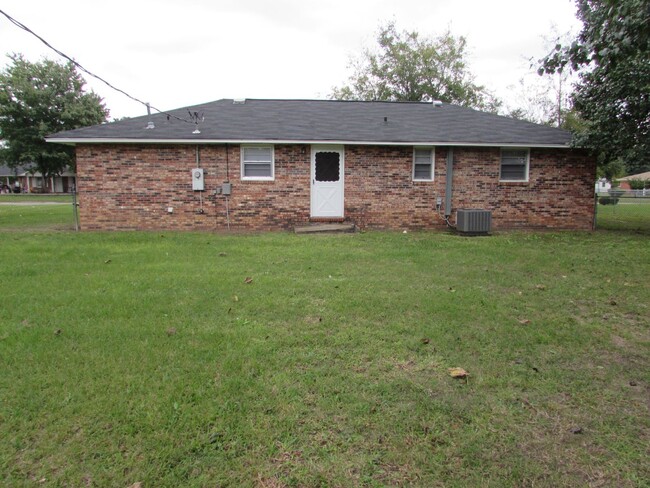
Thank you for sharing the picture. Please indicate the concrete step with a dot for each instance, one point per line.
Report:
(316, 228)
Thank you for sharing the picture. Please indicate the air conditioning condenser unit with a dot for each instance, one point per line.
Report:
(473, 221)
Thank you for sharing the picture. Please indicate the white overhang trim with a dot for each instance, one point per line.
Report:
(73, 141)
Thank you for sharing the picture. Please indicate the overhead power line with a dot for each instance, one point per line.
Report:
(65, 56)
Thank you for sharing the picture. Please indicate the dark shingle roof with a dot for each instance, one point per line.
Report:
(326, 121)
(18, 170)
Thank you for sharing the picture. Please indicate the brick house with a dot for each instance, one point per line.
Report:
(624, 183)
(394, 165)
(31, 181)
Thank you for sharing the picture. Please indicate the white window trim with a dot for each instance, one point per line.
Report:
(257, 178)
(527, 149)
(433, 163)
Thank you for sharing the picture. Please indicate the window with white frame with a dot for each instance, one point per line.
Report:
(514, 164)
(423, 158)
(257, 163)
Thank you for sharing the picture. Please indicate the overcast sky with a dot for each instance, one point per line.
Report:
(176, 53)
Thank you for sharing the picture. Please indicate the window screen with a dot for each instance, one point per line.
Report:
(514, 164)
(423, 164)
(257, 162)
(328, 166)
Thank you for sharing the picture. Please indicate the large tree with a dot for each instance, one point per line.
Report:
(544, 101)
(612, 95)
(408, 67)
(37, 99)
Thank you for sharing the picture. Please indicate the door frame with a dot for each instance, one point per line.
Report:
(315, 148)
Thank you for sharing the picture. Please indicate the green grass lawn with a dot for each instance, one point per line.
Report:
(628, 214)
(35, 197)
(146, 357)
(26, 217)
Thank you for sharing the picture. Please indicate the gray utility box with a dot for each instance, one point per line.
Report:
(473, 221)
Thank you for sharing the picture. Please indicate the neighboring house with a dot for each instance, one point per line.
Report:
(603, 185)
(35, 183)
(32, 181)
(9, 176)
(289, 162)
(625, 182)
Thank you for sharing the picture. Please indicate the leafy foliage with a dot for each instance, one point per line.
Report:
(37, 99)
(613, 93)
(543, 102)
(611, 169)
(639, 184)
(608, 200)
(546, 99)
(407, 67)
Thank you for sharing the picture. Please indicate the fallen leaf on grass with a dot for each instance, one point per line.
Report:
(222, 254)
(137, 484)
(235, 298)
(458, 373)
(541, 287)
(57, 332)
(576, 430)
(171, 331)
(108, 261)
(612, 302)
(248, 280)
(451, 289)
(523, 321)
(425, 340)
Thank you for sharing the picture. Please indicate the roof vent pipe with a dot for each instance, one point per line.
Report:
(150, 123)
(437, 103)
(239, 101)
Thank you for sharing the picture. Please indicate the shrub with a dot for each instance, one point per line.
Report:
(639, 184)
(608, 200)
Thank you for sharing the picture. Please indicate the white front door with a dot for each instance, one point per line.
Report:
(327, 163)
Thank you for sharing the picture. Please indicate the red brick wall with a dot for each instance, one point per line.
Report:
(380, 191)
(559, 193)
(131, 187)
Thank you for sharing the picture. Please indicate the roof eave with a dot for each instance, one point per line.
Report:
(74, 141)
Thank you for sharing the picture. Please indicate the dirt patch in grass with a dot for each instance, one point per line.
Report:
(313, 320)
(263, 482)
(395, 474)
(620, 342)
